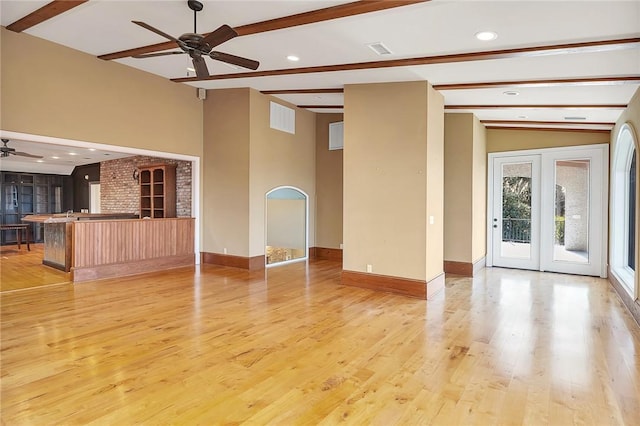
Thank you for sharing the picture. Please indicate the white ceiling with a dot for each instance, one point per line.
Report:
(56, 159)
(425, 29)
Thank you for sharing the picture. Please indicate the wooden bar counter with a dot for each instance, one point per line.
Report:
(106, 246)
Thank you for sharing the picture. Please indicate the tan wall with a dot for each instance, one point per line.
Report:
(328, 185)
(225, 205)
(278, 159)
(286, 223)
(499, 140)
(479, 185)
(630, 115)
(385, 181)
(435, 183)
(458, 188)
(51, 90)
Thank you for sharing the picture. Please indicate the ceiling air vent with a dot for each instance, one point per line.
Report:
(379, 48)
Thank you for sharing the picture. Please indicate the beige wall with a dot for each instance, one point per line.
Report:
(479, 185)
(225, 204)
(465, 183)
(245, 159)
(51, 90)
(630, 115)
(386, 184)
(286, 223)
(499, 140)
(458, 195)
(435, 183)
(278, 159)
(328, 185)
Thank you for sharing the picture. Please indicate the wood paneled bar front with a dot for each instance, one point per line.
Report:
(94, 248)
(112, 248)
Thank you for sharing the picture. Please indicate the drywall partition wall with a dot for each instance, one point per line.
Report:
(465, 190)
(225, 219)
(435, 185)
(479, 192)
(499, 140)
(328, 185)
(286, 227)
(392, 169)
(79, 97)
(458, 187)
(276, 159)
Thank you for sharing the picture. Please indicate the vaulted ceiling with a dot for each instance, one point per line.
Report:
(570, 65)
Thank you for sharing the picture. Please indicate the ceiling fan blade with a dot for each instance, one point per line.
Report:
(24, 154)
(200, 66)
(157, 31)
(219, 36)
(235, 60)
(153, 55)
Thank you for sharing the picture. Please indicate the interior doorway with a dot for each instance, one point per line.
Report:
(548, 210)
(94, 197)
(287, 219)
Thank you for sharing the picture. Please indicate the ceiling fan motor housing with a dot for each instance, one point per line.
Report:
(194, 42)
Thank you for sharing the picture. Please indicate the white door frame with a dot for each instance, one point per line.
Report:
(599, 204)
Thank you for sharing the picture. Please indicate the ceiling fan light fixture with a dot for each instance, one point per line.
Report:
(486, 35)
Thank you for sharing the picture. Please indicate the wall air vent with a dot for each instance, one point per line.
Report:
(282, 118)
(575, 118)
(379, 48)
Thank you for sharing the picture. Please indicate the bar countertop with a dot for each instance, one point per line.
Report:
(64, 217)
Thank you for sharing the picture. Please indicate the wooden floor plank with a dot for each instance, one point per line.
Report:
(290, 345)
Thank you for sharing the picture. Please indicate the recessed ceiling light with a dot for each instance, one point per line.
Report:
(511, 93)
(39, 161)
(72, 153)
(191, 69)
(486, 35)
(92, 149)
(293, 58)
(55, 157)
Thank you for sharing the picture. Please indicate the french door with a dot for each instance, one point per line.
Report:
(547, 210)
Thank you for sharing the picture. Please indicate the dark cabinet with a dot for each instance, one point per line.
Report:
(27, 193)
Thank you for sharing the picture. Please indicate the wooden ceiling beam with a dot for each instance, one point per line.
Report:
(549, 129)
(319, 15)
(46, 12)
(566, 82)
(321, 106)
(548, 123)
(523, 52)
(300, 91)
(589, 81)
(536, 106)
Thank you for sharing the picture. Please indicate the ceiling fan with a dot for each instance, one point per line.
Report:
(198, 46)
(5, 151)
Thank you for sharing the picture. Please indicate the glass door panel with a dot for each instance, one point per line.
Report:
(516, 211)
(571, 211)
(515, 221)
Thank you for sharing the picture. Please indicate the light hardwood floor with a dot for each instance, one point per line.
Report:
(21, 269)
(215, 345)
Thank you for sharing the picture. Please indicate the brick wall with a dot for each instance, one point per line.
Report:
(120, 193)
